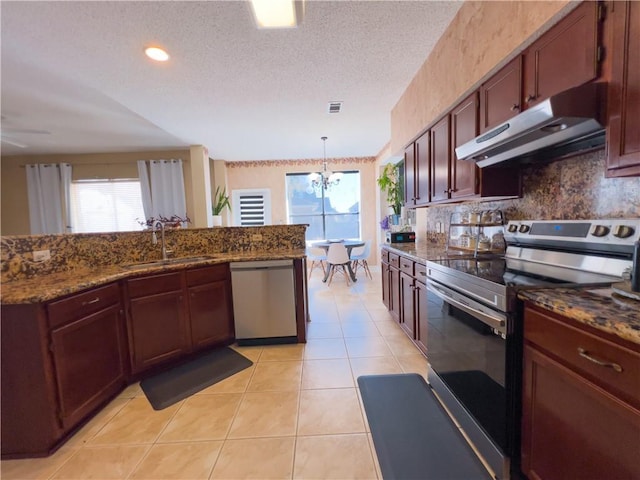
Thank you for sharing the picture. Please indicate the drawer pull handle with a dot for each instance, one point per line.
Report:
(583, 353)
(95, 300)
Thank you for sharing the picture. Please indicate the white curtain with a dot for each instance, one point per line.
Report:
(163, 195)
(48, 190)
(145, 187)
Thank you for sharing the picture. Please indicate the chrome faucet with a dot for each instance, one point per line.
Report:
(163, 244)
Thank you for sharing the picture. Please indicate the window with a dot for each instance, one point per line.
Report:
(330, 213)
(251, 208)
(106, 206)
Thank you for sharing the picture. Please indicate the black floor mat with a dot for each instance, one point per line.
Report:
(182, 381)
(413, 436)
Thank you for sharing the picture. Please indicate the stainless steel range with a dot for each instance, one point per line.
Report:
(474, 341)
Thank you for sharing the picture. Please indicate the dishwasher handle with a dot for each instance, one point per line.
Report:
(261, 265)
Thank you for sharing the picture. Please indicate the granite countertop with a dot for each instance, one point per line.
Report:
(47, 287)
(599, 308)
(420, 252)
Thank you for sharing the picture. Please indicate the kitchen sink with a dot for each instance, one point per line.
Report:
(162, 263)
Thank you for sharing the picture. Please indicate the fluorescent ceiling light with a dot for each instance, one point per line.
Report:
(157, 54)
(277, 13)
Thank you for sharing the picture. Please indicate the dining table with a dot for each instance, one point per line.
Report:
(349, 245)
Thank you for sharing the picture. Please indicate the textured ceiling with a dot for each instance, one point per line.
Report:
(75, 80)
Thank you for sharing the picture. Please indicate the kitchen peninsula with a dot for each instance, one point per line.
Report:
(104, 312)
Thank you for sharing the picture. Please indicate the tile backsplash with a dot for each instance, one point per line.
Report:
(571, 189)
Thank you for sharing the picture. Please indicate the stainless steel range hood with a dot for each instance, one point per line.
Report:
(568, 122)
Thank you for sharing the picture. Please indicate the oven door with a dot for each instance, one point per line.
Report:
(467, 352)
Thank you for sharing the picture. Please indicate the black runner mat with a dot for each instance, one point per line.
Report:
(413, 436)
(166, 388)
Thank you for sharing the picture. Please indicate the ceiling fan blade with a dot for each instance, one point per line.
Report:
(11, 142)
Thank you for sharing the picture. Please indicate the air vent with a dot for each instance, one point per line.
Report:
(334, 107)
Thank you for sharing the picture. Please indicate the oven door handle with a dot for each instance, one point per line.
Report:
(441, 292)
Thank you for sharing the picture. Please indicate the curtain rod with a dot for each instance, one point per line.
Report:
(103, 164)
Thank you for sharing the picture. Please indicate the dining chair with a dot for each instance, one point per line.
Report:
(318, 257)
(337, 257)
(359, 257)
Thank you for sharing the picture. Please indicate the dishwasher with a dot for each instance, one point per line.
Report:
(264, 303)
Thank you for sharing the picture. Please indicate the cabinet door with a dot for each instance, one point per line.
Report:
(394, 292)
(407, 320)
(566, 56)
(157, 329)
(572, 428)
(624, 91)
(422, 194)
(410, 175)
(420, 308)
(89, 362)
(500, 96)
(440, 160)
(210, 314)
(385, 285)
(464, 127)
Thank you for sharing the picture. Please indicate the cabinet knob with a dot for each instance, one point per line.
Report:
(515, 107)
(530, 98)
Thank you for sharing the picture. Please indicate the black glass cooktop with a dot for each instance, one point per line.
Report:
(518, 274)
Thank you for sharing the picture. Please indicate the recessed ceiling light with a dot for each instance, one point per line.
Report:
(157, 54)
(277, 13)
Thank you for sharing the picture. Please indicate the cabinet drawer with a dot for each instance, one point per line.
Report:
(394, 259)
(567, 343)
(385, 256)
(83, 304)
(143, 286)
(406, 266)
(200, 276)
(420, 272)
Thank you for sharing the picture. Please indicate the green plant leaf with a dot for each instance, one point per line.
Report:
(220, 201)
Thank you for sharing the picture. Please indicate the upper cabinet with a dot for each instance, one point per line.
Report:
(623, 135)
(464, 127)
(566, 56)
(440, 160)
(416, 172)
(501, 95)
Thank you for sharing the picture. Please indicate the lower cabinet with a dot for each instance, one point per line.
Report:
(581, 400)
(420, 312)
(60, 362)
(210, 306)
(404, 292)
(170, 315)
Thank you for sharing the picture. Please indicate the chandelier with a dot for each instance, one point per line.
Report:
(325, 179)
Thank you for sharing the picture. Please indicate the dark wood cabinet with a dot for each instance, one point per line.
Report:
(210, 306)
(61, 361)
(623, 134)
(157, 320)
(420, 309)
(501, 95)
(395, 307)
(404, 292)
(464, 127)
(173, 314)
(416, 161)
(566, 56)
(89, 362)
(410, 174)
(580, 419)
(407, 320)
(384, 266)
(440, 160)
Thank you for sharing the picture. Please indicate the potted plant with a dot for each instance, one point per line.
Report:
(391, 183)
(220, 201)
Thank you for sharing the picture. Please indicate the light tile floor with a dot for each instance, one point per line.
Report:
(296, 413)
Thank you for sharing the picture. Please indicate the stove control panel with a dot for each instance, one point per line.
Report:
(618, 231)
